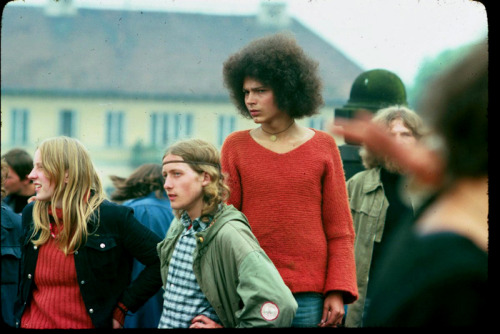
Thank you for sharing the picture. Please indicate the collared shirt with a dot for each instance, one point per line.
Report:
(183, 298)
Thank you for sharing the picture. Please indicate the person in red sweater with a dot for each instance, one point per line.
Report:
(288, 179)
(78, 247)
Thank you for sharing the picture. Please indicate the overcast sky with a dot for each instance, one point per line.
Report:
(396, 35)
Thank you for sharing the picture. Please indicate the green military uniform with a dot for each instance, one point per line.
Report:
(368, 207)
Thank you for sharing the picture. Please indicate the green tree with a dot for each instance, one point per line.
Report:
(432, 67)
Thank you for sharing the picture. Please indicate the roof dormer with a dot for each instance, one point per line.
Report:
(273, 15)
(60, 8)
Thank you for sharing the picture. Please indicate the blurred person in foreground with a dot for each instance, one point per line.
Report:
(288, 179)
(378, 197)
(18, 186)
(78, 247)
(436, 270)
(11, 255)
(143, 191)
(214, 272)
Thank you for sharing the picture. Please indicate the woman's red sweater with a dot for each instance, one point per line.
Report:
(297, 206)
(56, 301)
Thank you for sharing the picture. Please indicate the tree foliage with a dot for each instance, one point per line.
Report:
(430, 68)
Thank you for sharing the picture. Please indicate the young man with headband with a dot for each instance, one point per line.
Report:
(214, 272)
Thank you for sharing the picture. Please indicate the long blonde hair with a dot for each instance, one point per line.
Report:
(78, 188)
(202, 156)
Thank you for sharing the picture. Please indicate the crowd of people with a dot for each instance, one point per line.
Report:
(265, 232)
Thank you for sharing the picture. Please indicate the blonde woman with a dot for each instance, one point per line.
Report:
(78, 247)
(214, 272)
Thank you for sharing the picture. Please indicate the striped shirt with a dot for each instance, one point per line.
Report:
(183, 298)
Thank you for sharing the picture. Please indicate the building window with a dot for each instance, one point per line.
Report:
(20, 122)
(114, 128)
(67, 123)
(317, 123)
(227, 124)
(168, 127)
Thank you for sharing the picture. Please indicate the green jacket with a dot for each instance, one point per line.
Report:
(368, 208)
(235, 274)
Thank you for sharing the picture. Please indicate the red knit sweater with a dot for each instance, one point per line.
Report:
(57, 301)
(297, 206)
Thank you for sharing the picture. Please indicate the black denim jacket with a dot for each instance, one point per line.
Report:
(103, 264)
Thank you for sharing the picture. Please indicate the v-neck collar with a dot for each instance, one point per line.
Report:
(282, 153)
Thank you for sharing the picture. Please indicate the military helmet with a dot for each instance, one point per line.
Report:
(373, 90)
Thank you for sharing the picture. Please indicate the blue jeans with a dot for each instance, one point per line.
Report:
(309, 311)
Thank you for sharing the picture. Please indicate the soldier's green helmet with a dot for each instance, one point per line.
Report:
(373, 90)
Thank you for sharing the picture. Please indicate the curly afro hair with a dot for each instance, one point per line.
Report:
(278, 62)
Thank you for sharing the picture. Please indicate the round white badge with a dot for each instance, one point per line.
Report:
(269, 311)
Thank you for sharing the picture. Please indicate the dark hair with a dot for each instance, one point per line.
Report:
(20, 161)
(5, 172)
(144, 180)
(456, 106)
(278, 62)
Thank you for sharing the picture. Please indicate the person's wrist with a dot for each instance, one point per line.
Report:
(119, 313)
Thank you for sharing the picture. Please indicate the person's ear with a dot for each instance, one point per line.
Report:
(206, 179)
(66, 177)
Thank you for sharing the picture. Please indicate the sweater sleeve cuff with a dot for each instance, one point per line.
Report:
(119, 313)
